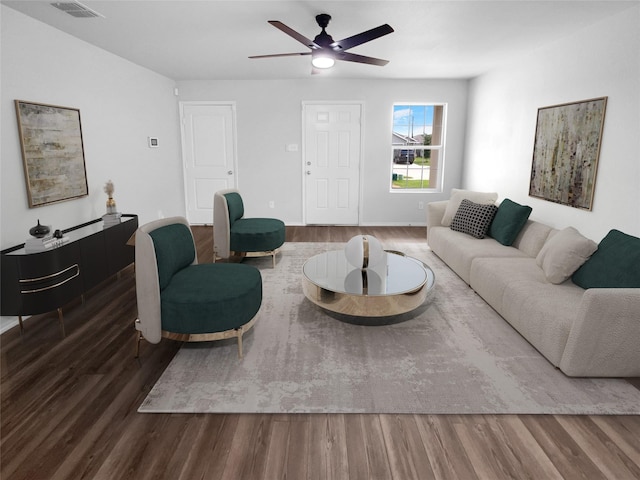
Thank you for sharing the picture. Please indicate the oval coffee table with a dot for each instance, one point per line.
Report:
(396, 285)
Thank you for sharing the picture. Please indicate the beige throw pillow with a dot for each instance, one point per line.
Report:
(457, 195)
(564, 253)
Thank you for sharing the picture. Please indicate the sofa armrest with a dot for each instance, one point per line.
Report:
(435, 213)
(604, 340)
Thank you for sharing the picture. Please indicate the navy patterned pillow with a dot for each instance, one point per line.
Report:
(473, 218)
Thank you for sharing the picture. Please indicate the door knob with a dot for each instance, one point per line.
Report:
(230, 172)
(308, 172)
(308, 163)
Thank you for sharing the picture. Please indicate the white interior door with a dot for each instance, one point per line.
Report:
(209, 153)
(332, 163)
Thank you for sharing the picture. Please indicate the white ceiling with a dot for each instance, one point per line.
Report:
(211, 39)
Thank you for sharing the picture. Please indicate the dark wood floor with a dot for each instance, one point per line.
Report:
(68, 411)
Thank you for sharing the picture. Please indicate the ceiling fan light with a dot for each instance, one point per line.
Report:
(322, 61)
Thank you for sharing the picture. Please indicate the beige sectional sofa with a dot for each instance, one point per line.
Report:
(591, 332)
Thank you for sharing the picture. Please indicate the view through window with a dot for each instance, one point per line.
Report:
(417, 142)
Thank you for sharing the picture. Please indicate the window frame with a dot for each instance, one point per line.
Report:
(440, 148)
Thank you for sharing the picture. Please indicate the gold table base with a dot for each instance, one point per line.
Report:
(363, 305)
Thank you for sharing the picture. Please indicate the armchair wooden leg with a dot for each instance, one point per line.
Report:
(61, 321)
(240, 344)
(139, 337)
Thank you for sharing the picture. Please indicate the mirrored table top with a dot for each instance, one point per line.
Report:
(396, 274)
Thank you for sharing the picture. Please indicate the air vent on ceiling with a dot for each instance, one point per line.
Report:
(77, 9)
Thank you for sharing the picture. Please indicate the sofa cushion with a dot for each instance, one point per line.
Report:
(564, 253)
(473, 218)
(532, 237)
(509, 220)
(458, 195)
(458, 250)
(257, 234)
(615, 264)
(211, 297)
(540, 311)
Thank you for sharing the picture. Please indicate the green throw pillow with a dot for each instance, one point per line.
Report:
(509, 220)
(616, 263)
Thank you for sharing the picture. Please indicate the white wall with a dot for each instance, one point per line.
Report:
(120, 103)
(269, 116)
(603, 60)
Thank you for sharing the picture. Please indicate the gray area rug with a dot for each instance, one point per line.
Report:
(453, 355)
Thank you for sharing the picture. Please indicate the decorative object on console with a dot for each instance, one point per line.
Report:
(41, 244)
(566, 151)
(42, 239)
(363, 251)
(112, 217)
(52, 153)
(39, 231)
(111, 203)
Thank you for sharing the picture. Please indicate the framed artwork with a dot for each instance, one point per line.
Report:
(566, 151)
(52, 152)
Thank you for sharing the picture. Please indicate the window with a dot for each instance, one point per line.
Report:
(417, 145)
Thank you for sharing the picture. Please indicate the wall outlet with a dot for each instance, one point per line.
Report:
(272, 204)
(420, 205)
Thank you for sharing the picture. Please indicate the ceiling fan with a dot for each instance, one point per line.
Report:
(325, 51)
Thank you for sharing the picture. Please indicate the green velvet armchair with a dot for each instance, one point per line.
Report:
(186, 301)
(238, 236)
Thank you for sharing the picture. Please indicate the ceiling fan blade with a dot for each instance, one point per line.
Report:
(361, 38)
(292, 33)
(280, 55)
(352, 57)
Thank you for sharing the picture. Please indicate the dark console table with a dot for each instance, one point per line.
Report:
(34, 283)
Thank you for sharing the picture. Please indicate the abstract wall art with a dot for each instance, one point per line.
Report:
(566, 151)
(52, 152)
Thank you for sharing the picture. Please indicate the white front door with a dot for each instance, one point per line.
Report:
(209, 153)
(331, 171)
